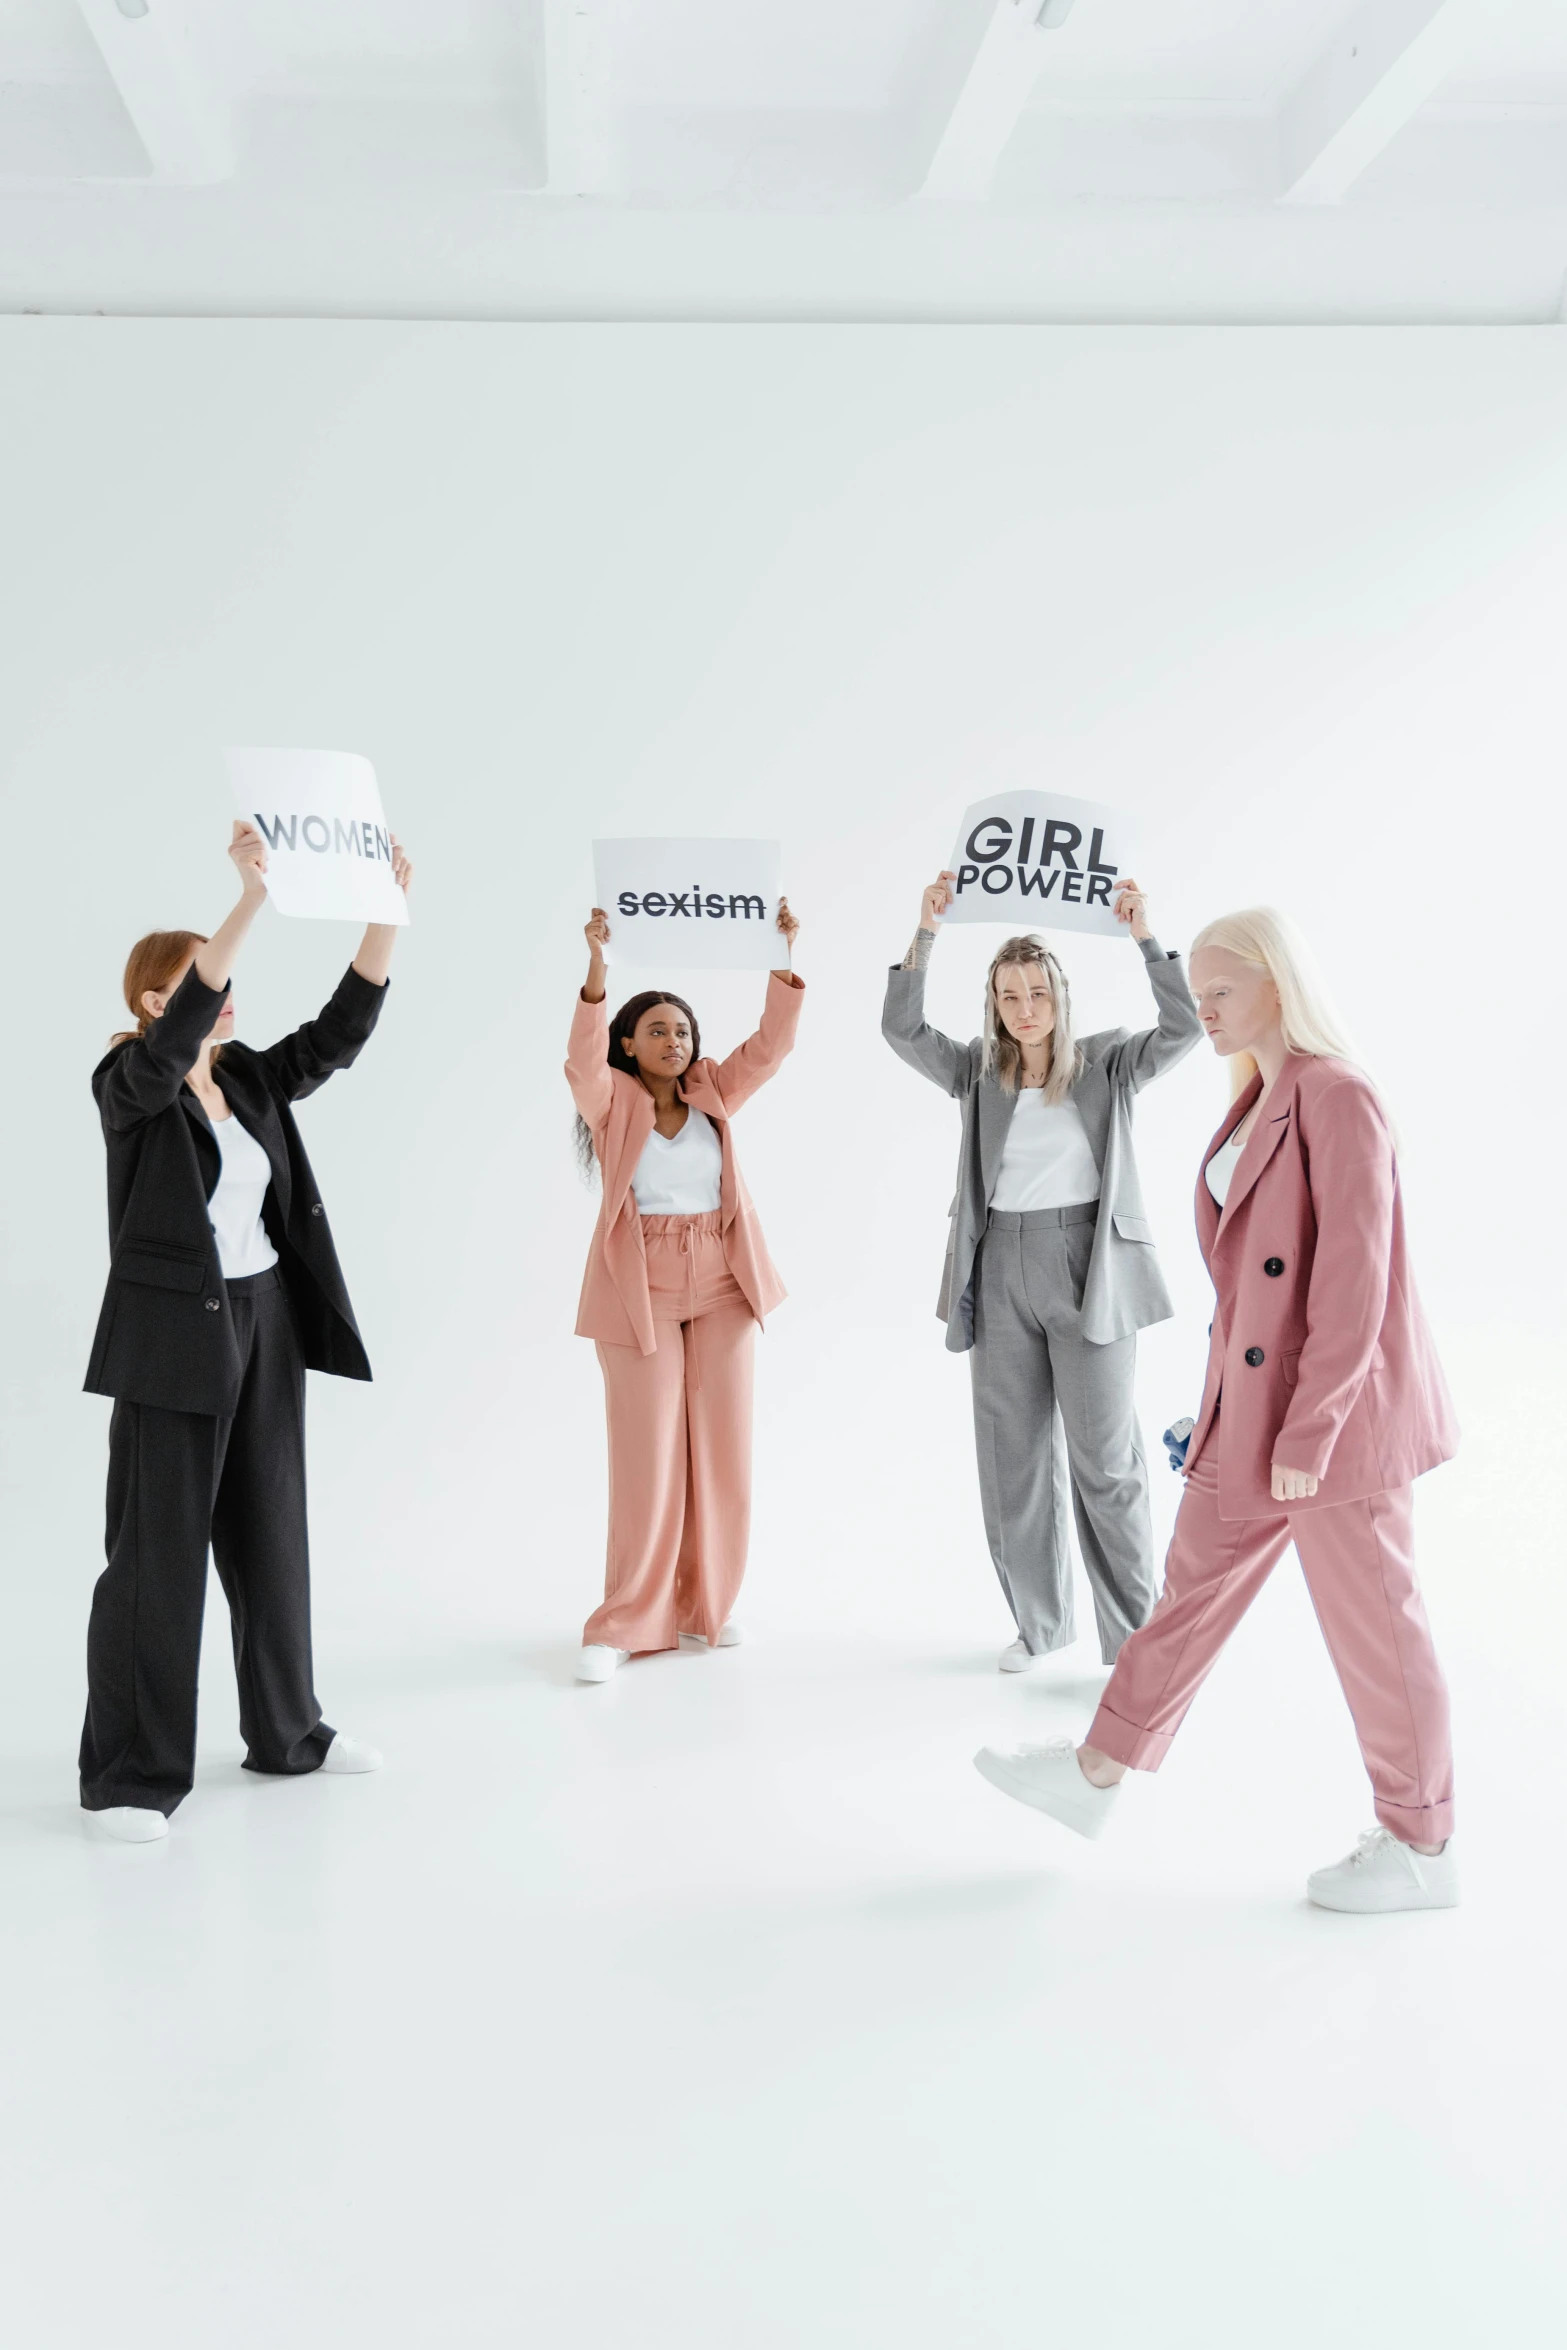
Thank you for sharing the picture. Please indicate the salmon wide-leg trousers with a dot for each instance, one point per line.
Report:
(1358, 1561)
(679, 1447)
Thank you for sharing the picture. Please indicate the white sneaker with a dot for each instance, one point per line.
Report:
(1382, 1874)
(1019, 1658)
(350, 1754)
(1051, 1779)
(597, 1663)
(730, 1637)
(130, 1823)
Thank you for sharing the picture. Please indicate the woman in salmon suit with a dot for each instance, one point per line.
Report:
(1324, 1400)
(678, 1278)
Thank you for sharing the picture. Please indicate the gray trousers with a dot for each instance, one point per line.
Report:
(1029, 1363)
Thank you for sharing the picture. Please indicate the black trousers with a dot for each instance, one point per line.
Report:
(177, 1482)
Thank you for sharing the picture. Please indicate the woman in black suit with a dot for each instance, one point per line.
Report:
(223, 1290)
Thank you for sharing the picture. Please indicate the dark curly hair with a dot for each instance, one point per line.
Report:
(622, 1029)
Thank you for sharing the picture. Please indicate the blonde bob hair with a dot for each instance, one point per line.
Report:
(1003, 1054)
(1268, 939)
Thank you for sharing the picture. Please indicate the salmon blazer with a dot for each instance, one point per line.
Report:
(1318, 1341)
(618, 1108)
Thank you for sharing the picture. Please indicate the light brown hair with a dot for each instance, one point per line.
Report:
(154, 962)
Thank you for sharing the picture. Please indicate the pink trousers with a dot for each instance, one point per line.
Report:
(679, 1447)
(1358, 1561)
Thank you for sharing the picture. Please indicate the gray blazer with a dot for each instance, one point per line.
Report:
(1125, 1289)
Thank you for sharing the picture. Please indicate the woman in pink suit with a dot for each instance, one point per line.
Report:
(1324, 1400)
(678, 1277)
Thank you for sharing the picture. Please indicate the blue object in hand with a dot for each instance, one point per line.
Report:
(1176, 1438)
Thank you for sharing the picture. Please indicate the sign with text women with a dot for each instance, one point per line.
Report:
(329, 846)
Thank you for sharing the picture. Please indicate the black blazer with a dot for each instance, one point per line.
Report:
(166, 1334)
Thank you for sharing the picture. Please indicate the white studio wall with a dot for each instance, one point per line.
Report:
(1294, 598)
(727, 2007)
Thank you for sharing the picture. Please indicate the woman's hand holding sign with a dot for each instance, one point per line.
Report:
(1131, 907)
(249, 853)
(374, 959)
(934, 904)
(215, 957)
(791, 931)
(596, 932)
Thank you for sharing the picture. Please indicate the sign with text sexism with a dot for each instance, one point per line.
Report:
(1034, 859)
(329, 847)
(701, 905)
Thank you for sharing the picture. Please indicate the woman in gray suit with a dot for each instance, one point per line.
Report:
(1051, 1270)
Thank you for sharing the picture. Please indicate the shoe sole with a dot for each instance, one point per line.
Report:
(1027, 1665)
(1381, 1909)
(1082, 1823)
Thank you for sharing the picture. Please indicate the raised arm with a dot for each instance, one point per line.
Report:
(340, 1031)
(1353, 1180)
(215, 956)
(587, 1053)
(146, 1074)
(331, 1041)
(374, 959)
(940, 1058)
(752, 1063)
(1151, 1051)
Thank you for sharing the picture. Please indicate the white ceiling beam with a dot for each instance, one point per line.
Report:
(993, 52)
(578, 148)
(179, 119)
(1380, 69)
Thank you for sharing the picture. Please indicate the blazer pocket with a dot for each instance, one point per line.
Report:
(1291, 1366)
(161, 1264)
(1134, 1228)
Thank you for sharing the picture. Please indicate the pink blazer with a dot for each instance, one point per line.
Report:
(619, 1112)
(1318, 1339)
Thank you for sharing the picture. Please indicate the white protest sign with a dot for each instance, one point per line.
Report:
(698, 905)
(329, 847)
(1036, 860)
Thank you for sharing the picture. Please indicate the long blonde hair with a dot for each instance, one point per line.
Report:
(1268, 939)
(1003, 1054)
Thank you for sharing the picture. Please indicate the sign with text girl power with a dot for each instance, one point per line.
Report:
(329, 847)
(700, 905)
(1037, 861)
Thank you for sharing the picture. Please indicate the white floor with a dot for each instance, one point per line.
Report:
(727, 2006)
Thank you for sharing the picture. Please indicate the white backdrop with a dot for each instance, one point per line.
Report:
(1298, 598)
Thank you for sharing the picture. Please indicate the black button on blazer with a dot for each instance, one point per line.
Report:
(157, 1342)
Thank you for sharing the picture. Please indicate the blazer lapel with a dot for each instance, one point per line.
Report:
(994, 1108)
(253, 1106)
(1263, 1140)
(208, 1156)
(1091, 1096)
(631, 1112)
(698, 1092)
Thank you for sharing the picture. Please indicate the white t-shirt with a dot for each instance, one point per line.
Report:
(235, 1207)
(1048, 1161)
(680, 1174)
(1221, 1168)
